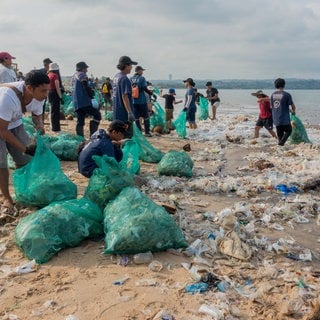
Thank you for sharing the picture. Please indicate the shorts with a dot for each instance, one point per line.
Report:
(216, 104)
(18, 157)
(267, 123)
(191, 115)
(169, 114)
(141, 111)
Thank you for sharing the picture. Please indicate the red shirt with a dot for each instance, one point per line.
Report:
(265, 109)
(53, 77)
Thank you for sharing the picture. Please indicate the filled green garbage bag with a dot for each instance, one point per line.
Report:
(299, 133)
(42, 180)
(158, 117)
(65, 145)
(133, 223)
(59, 225)
(148, 153)
(108, 115)
(130, 159)
(203, 108)
(176, 163)
(180, 124)
(107, 180)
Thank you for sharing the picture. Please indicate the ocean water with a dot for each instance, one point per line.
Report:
(241, 102)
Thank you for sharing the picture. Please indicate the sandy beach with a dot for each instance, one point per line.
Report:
(241, 229)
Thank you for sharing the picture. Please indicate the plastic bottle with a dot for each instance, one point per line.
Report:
(198, 287)
(144, 257)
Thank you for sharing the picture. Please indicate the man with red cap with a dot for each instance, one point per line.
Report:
(7, 74)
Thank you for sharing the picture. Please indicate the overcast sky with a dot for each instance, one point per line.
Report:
(202, 39)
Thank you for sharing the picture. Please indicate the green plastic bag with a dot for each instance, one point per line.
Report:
(108, 115)
(130, 159)
(42, 180)
(176, 163)
(65, 146)
(158, 116)
(107, 180)
(43, 233)
(181, 124)
(203, 109)
(299, 133)
(133, 223)
(148, 153)
(29, 126)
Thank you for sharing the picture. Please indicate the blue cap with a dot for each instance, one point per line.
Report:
(171, 90)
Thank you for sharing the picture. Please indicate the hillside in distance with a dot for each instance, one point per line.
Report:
(304, 84)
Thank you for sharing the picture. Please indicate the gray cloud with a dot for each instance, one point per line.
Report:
(216, 39)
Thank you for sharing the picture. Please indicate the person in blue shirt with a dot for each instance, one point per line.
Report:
(282, 105)
(140, 105)
(190, 103)
(122, 108)
(81, 96)
(102, 143)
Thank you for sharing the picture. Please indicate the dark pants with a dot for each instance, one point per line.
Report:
(283, 133)
(54, 101)
(81, 116)
(141, 111)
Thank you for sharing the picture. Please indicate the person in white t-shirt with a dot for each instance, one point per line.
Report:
(7, 74)
(17, 98)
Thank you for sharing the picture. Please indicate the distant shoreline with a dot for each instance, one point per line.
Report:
(265, 84)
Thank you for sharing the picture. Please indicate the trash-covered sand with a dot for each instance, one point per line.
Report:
(250, 215)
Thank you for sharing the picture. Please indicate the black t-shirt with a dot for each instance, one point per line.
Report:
(211, 93)
(169, 100)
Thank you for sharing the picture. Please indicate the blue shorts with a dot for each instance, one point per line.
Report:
(191, 115)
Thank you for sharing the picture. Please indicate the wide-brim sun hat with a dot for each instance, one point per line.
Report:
(258, 93)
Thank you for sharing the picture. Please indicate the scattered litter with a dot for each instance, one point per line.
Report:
(28, 267)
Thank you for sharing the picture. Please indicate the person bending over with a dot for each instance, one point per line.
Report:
(102, 143)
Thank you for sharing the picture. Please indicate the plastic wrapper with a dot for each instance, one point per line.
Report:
(107, 180)
(43, 233)
(42, 180)
(176, 163)
(133, 223)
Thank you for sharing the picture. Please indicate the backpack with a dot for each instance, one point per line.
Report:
(105, 88)
(135, 87)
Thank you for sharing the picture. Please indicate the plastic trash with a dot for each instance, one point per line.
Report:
(305, 255)
(155, 266)
(198, 287)
(211, 311)
(144, 257)
(27, 267)
(285, 189)
(146, 282)
(223, 286)
(121, 281)
(71, 317)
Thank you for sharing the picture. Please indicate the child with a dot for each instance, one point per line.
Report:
(170, 100)
(265, 114)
